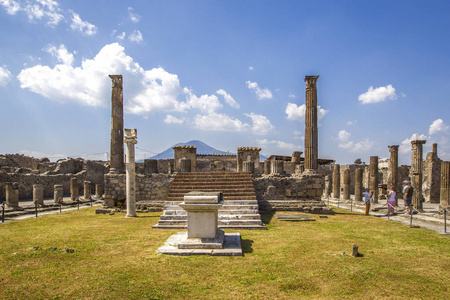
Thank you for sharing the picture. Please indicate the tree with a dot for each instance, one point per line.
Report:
(358, 161)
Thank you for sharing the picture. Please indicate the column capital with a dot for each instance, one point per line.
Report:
(130, 136)
(418, 142)
(311, 80)
(393, 148)
(116, 81)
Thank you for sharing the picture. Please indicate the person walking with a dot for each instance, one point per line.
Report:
(391, 200)
(407, 196)
(367, 198)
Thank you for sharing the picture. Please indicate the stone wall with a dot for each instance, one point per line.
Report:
(216, 163)
(275, 187)
(148, 187)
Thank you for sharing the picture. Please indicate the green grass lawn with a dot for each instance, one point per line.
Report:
(115, 258)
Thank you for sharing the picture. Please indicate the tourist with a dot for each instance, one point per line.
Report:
(407, 196)
(391, 200)
(367, 199)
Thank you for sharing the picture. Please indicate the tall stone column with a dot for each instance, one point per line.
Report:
(373, 177)
(358, 184)
(435, 148)
(58, 193)
(130, 141)
(445, 185)
(393, 169)
(346, 191)
(38, 194)
(74, 193)
(116, 159)
(416, 172)
(311, 132)
(336, 181)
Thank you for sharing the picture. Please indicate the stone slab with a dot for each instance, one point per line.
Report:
(231, 246)
(293, 217)
(203, 243)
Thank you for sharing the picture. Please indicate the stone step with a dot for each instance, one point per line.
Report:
(165, 217)
(238, 207)
(174, 212)
(253, 216)
(181, 194)
(226, 198)
(240, 222)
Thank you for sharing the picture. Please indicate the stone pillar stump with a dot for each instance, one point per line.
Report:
(87, 190)
(38, 194)
(74, 193)
(58, 193)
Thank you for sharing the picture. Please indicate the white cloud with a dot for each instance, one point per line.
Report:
(82, 26)
(61, 54)
(11, 6)
(135, 18)
(228, 99)
(35, 10)
(260, 93)
(351, 122)
(297, 113)
(438, 126)
(261, 125)
(250, 68)
(206, 103)
(291, 96)
(121, 36)
(273, 146)
(219, 122)
(173, 120)
(343, 136)
(5, 75)
(405, 147)
(136, 37)
(379, 94)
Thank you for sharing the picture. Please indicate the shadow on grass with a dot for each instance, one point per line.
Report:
(266, 218)
(246, 246)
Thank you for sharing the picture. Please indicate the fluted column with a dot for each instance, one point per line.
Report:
(373, 177)
(393, 169)
(311, 132)
(130, 141)
(417, 172)
(358, 184)
(336, 181)
(116, 159)
(445, 184)
(346, 190)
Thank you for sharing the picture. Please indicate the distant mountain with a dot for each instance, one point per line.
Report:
(202, 148)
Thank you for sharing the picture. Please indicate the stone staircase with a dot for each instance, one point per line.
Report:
(240, 207)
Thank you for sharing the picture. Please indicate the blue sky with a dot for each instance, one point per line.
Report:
(228, 73)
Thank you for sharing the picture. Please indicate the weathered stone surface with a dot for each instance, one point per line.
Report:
(248, 154)
(417, 172)
(336, 181)
(58, 194)
(445, 185)
(346, 186)
(183, 153)
(358, 184)
(373, 177)
(311, 130)
(38, 194)
(116, 152)
(130, 141)
(431, 178)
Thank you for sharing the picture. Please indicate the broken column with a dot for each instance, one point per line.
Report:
(38, 194)
(393, 169)
(74, 189)
(296, 157)
(98, 191)
(130, 141)
(12, 195)
(373, 177)
(116, 159)
(445, 185)
(267, 167)
(327, 189)
(58, 193)
(248, 166)
(346, 185)
(358, 184)
(276, 167)
(432, 177)
(311, 132)
(416, 173)
(87, 190)
(336, 181)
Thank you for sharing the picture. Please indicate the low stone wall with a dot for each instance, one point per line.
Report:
(149, 187)
(26, 182)
(296, 187)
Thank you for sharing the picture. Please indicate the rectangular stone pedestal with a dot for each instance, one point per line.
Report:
(231, 246)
